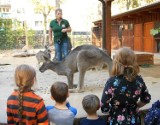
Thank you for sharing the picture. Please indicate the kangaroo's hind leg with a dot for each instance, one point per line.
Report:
(80, 86)
(70, 81)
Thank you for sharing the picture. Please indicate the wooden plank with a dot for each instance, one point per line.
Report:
(148, 38)
(138, 43)
(145, 59)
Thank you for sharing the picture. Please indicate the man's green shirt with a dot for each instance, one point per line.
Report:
(57, 29)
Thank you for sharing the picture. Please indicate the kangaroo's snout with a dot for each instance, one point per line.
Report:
(41, 69)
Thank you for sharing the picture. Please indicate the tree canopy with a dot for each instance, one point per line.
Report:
(130, 4)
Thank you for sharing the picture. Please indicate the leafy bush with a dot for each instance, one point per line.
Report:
(155, 31)
(11, 38)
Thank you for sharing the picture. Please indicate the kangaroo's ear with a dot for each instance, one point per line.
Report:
(46, 46)
(46, 58)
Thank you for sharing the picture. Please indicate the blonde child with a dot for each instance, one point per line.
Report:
(24, 107)
(125, 92)
(91, 104)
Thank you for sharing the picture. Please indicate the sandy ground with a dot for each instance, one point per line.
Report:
(94, 81)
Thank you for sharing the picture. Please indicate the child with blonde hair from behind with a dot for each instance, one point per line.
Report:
(91, 104)
(24, 107)
(125, 91)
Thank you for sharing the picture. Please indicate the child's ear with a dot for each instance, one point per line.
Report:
(33, 82)
(68, 94)
(100, 104)
(98, 107)
(52, 98)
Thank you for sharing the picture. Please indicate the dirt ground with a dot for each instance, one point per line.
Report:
(94, 80)
(6, 57)
(152, 71)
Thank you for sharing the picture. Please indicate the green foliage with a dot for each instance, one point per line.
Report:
(78, 40)
(129, 4)
(44, 7)
(155, 31)
(31, 38)
(134, 4)
(11, 38)
(6, 34)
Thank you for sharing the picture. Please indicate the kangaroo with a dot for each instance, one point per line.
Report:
(80, 59)
(42, 55)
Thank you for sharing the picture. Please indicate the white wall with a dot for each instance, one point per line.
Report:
(80, 13)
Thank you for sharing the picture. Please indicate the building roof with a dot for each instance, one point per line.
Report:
(128, 15)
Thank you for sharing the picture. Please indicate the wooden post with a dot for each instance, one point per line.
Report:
(103, 24)
(108, 26)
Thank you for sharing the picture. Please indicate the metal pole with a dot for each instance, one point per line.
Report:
(103, 24)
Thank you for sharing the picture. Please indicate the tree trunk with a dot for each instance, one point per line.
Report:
(128, 4)
(26, 35)
(45, 30)
(57, 3)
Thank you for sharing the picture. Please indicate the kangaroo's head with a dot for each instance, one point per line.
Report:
(46, 65)
(47, 51)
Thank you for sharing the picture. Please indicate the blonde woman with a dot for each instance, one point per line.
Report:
(125, 92)
(24, 107)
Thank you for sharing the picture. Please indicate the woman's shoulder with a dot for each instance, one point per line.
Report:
(139, 78)
(53, 21)
(113, 78)
(65, 20)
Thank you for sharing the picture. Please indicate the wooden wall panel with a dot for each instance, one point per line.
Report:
(148, 44)
(138, 46)
(148, 38)
(138, 35)
(115, 43)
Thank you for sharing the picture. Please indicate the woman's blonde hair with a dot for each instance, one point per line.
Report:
(125, 63)
(24, 78)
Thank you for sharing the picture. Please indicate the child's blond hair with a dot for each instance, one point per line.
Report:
(24, 78)
(125, 63)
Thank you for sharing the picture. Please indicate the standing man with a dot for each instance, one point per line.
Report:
(59, 28)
